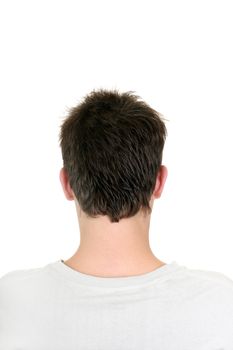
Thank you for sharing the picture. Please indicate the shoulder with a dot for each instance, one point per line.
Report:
(18, 275)
(206, 280)
(21, 283)
(206, 288)
(209, 277)
(210, 290)
(205, 299)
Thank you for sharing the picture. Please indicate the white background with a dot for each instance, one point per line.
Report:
(176, 55)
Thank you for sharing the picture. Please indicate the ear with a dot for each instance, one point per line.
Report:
(160, 181)
(66, 185)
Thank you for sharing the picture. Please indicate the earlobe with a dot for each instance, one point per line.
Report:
(65, 185)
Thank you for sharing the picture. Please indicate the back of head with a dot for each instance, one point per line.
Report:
(112, 146)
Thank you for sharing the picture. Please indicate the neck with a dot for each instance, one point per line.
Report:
(114, 249)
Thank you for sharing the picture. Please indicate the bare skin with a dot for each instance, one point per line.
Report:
(114, 249)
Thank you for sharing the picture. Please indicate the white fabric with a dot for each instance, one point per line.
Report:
(55, 307)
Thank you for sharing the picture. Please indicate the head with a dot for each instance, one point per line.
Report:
(112, 145)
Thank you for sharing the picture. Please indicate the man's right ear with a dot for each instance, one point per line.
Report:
(160, 181)
(66, 185)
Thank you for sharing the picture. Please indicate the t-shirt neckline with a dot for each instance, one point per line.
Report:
(109, 282)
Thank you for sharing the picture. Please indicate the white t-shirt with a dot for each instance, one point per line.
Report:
(55, 307)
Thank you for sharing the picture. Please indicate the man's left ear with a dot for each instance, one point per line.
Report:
(160, 181)
(66, 185)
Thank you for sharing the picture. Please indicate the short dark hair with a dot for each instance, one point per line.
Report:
(112, 146)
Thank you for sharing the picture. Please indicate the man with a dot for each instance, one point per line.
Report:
(114, 293)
